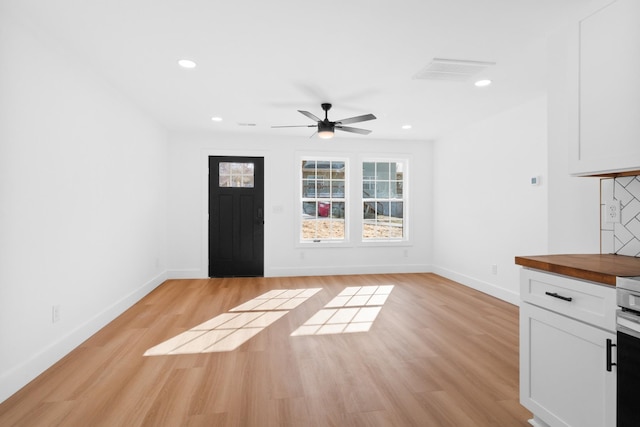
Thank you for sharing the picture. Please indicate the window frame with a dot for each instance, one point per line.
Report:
(328, 242)
(405, 240)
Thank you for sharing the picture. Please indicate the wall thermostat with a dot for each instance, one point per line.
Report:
(535, 180)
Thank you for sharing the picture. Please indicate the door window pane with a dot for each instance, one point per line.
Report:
(238, 175)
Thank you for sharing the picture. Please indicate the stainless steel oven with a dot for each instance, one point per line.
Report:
(628, 351)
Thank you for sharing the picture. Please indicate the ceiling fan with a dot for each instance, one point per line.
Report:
(326, 128)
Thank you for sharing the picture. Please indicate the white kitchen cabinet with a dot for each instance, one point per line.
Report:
(607, 91)
(564, 379)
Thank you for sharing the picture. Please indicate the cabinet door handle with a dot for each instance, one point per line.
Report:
(610, 346)
(555, 295)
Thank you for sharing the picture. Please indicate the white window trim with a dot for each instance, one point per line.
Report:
(346, 242)
(406, 196)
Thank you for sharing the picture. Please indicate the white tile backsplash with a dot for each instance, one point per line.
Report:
(622, 238)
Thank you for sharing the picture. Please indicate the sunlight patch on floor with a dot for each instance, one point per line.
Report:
(353, 310)
(230, 330)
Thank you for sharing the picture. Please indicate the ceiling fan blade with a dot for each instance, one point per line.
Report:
(357, 119)
(353, 130)
(311, 116)
(295, 126)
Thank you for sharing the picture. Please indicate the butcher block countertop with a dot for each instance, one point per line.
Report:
(601, 268)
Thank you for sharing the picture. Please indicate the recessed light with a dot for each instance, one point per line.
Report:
(216, 119)
(483, 83)
(406, 126)
(186, 63)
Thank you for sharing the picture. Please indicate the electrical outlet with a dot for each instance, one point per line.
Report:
(494, 269)
(55, 314)
(612, 211)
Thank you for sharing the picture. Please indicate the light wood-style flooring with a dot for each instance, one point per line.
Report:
(438, 354)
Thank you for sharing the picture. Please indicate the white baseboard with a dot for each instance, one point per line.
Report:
(187, 273)
(479, 285)
(537, 422)
(19, 376)
(347, 270)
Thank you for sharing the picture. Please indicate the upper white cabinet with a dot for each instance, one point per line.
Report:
(607, 132)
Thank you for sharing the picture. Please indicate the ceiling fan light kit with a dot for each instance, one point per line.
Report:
(326, 128)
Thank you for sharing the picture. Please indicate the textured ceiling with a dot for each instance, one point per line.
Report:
(260, 61)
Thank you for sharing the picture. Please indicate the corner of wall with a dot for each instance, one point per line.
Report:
(19, 376)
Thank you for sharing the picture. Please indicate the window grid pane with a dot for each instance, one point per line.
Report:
(323, 200)
(239, 175)
(383, 201)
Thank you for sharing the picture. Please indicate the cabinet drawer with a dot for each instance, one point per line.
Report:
(586, 301)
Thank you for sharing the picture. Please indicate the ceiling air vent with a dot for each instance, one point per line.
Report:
(455, 70)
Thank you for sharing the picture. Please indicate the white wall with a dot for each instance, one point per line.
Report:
(283, 255)
(85, 181)
(574, 202)
(82, 202)
(485, 210)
